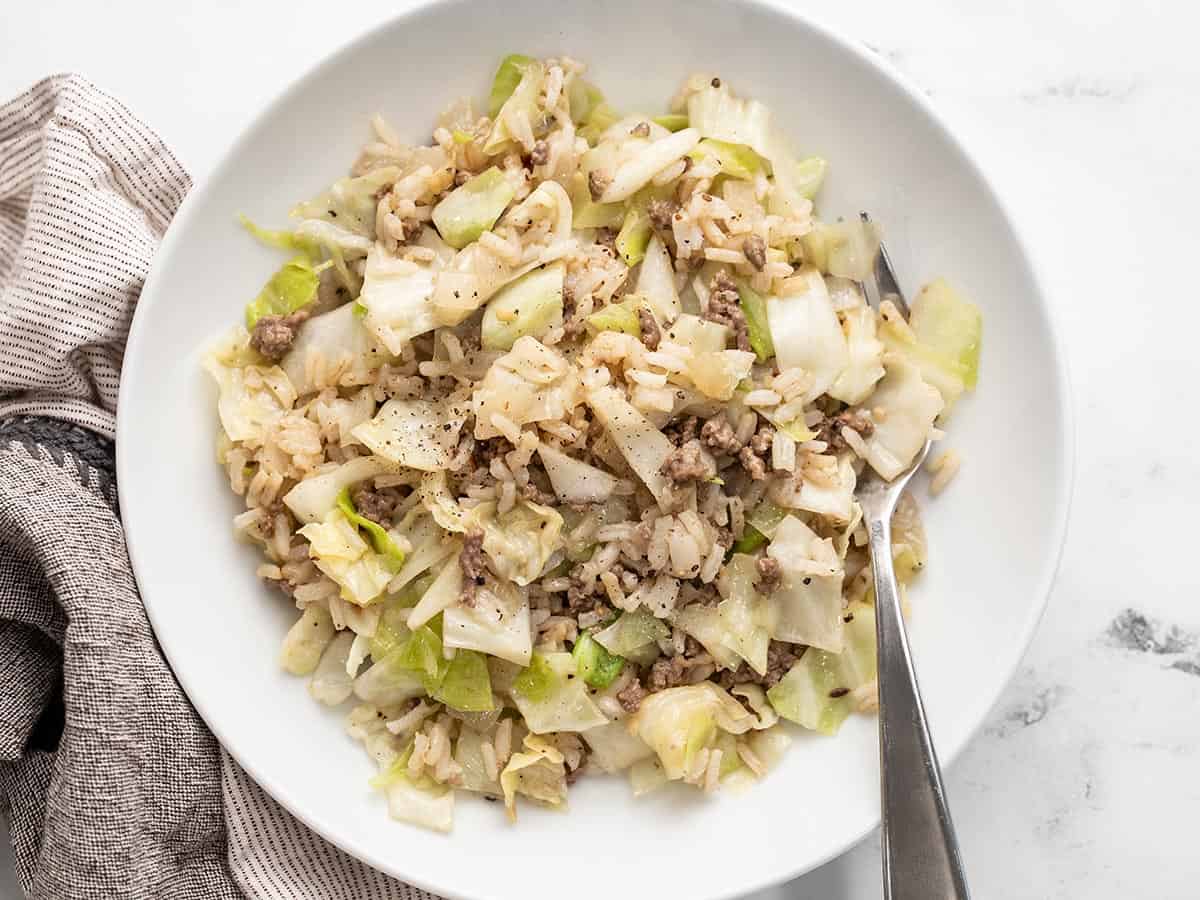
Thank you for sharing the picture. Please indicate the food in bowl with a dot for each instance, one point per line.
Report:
(551, 430)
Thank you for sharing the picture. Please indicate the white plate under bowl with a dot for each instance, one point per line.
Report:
(994, 536)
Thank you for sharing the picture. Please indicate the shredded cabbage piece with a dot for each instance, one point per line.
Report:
(679, 722)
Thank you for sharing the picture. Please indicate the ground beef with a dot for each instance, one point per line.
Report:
(474, 565)
(719, 436)
(461, 177)
(689, 463)
(667, 672)
(631, 696)
(651, 333)
(755, 249)
(724, 308)
(641, 129)
(540, 153)
(377, 506)
(781, 657)
(607, 237)
(598, 182)
(753, 455)
(830, 428)
(273, 335)
(410, 230)
(682, 431)
(769, 575)
(288, 589)
(488, 449)
(661, 213)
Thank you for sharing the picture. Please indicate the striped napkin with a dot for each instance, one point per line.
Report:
(111, 784)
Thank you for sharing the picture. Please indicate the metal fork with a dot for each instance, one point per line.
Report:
(920, 852)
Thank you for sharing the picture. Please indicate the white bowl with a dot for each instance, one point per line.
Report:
(994, 535)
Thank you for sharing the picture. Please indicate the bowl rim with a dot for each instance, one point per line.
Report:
(1064, 450)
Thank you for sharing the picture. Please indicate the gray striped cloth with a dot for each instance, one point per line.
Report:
(111, 784)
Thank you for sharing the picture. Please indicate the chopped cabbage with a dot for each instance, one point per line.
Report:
(909, 407)
(396, 294)
(339, 551)
(350, 202)
(951, 326)
(307, 640)
(717, 373)
(316, 496)
(531, 383)
(634, 635)
(671, 121)
(586, 212)
(646, 776)
(508, 75)
(643, 445)
(519, 110)
(807, 333)
(747, 615)
(634, 236)
(766, 518)
(429, 547)
(698, 335)
(553, 697)
(795, 182)
(468, 753)
(622, 317)
(531, 305)
(443, 593)
(383, 542)
(466, 684)
(601, 118)
(801, 490)
(331, 684)
(614, 748)
(473, 207)
(537, 772)
(679, 722)
(706, 624)
(715, 113)
(595, 665)
(808, 599)
(498, 624)
(339, 337)
(756, 699)
(575, 481)
(436, 498)
(656, 282)
(246, 412)
(519, 542)
(734, 160)
(815, 693)
(421, 801)
(754, 307)
(407, 433)
(846, 249)
(388, 683)
(864, 365)
(582, 98)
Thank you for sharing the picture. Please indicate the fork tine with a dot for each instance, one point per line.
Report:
(885, 276)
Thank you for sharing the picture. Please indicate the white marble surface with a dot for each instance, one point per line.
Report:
(1086, 780)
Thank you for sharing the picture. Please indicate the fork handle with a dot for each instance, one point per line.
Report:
(920, 853)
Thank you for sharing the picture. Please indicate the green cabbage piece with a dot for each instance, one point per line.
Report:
(316, 496)
(808, 600)
(520, 541)
(338, 550)
(531, 305)
(806, 331)
(846, 249)
(656, 282)
(754, 307)
(306, 640)
(293, 286)
(634, 635)
(679, 722)
(350, 202)
(552, 696)
(421, 801)
(750, 540)
(583, 97)
(614, 748)
(634, 235)
(641, 443)
(283, 239)
(509, 74)
(466, 684)
(716, 113)
(395, 302)
(672, 121)
(950, 326)
(816, 692)
(586, 212)
(380, 539)
(498, 624)
(734, 160)
(537, 772)
(595, 665)
(473, 208)
(522, 98)
(910, 406)
(621, 317)
(602, 117)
